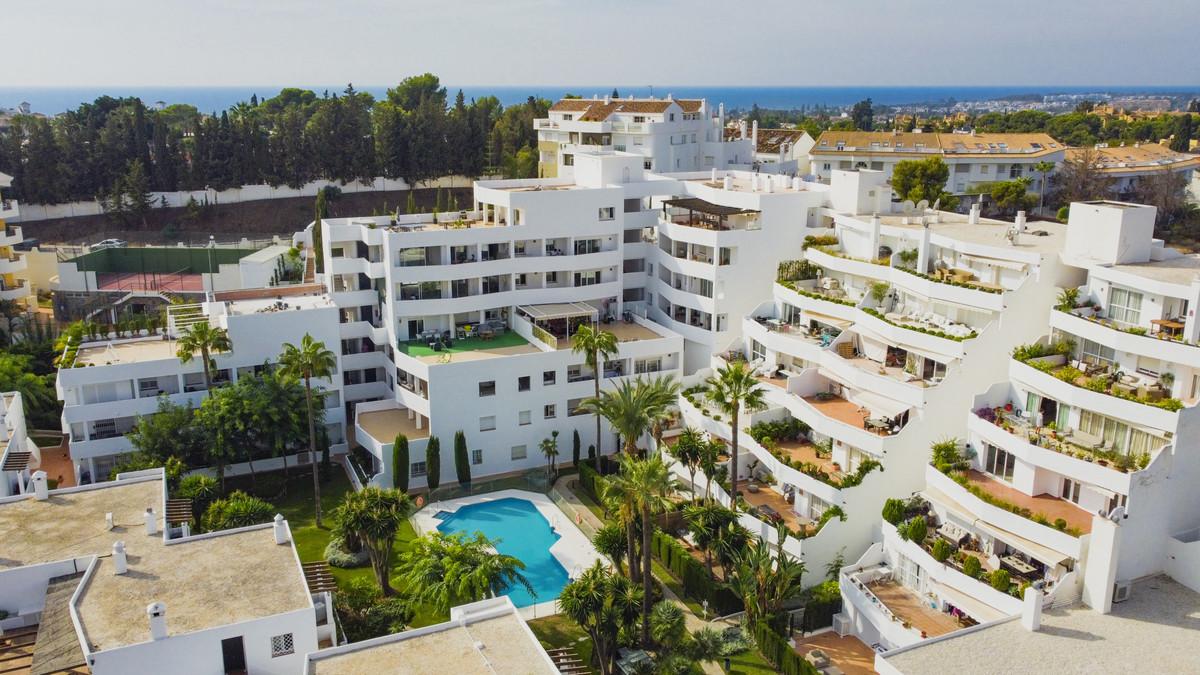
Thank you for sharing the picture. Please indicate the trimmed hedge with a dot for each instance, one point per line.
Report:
(694, 575)
(824, 600)
(591, 482)
(781, 655)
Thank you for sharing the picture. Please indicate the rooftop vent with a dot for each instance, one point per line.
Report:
(120, 560)
(41, 489)
(157, 613)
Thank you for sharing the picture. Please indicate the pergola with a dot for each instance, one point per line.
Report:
(560, 319)
(701, 213)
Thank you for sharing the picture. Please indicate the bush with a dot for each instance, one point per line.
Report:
(237, 510)
(337, 555)
(780, 653)
(695, 578)
(917, 529)
(821, 603)
(893, 511)
(1000, 580)
(942, 550)
(200, 489)
(972, 566)
(365, 613)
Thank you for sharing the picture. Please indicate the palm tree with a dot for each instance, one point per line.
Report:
(446, 570)
(602, 604)
(203, 338)
(610, 541)
(707, 524)
(632, 407)
(653, 485)
(710, 455)
(620, 498)
(688, 449)
(596, 345)
(373, 516)
(764, 582)
(549, 447)
(732, 388)
(1043, 168)
(311, 359)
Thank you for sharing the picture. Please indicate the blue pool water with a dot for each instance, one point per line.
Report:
(523, 533)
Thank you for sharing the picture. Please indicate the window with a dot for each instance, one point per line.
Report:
(607, 212)
(487, 423)
(549, 412)
(1096, 354)
(575, 407)
(672, 117)
(1124, 306)
(567, 117)
(282, 645)
(524, 418)
(548, 377)
(568, 160)
(523, 383)
(650, 365)
(477, 457)
(648, 165)
(724, 255)
(417, 469)
(1000, 463)
(518, 452)
(1070, 490)
(487, 388)
(639, 119)
(757, 350)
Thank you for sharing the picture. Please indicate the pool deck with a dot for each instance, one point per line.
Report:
(573, 550)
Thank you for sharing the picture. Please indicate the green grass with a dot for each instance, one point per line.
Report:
(750, 662)
(509, 339)
(297, 507)
(559, 631)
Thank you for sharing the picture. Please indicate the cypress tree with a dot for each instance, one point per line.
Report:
(592, 457)
(575, 449)
(411, 205)
(462, 461)
(400, 463)
(433, 463)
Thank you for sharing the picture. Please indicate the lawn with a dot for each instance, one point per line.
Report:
(297, 507)
(559, 631)
(509, 339)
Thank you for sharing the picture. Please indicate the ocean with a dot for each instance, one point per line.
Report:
(53, 100)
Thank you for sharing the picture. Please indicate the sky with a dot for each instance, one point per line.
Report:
(585, 42)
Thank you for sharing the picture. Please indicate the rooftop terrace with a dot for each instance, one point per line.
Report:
(1182, 270)
(385, 425)
(987, 232)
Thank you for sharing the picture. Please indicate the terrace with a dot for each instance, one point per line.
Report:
(695, 212)
(768, 505)
(385, 425)
(468, 349)
(1071, 442)
(134, 351)
(1047, 505)
(1102, 377)
(805, 452)
(847, 412)
(913, 610)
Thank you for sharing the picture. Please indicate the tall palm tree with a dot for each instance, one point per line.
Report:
(203, 338)
(620, 499)
(707, 524)
(764, 582)
(632, 407)
(688, 448)
(710, 454)
(549, 447)
(596, 346)
(653, 485)
(445, 570)
(311, 359)
(1044, 168)
(734, 387)
(372, 516)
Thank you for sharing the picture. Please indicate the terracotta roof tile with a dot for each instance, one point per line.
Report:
(959, 145)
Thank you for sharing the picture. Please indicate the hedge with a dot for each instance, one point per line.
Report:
(781, 654)
(824, 600)
(591, 481)
(696, 581)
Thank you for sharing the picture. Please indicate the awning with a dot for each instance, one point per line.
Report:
(701, 206)
(929, 354)
(825, 318)
(563, 310)
(977, 609)
(994, 262)
(1045, 554)
(881, 406)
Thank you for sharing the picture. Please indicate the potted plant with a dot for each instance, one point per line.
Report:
(1008, 407)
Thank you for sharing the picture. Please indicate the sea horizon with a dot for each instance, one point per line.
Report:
(52, 100)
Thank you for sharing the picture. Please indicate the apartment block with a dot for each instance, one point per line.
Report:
(12, 262)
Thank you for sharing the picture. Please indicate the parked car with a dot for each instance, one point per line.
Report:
(109, 243)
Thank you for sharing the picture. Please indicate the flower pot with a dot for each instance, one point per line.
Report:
(1008, 407)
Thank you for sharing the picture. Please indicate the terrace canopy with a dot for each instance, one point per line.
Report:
(701, 213)
(560, 319)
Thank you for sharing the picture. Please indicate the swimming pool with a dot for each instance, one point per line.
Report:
(523, 533)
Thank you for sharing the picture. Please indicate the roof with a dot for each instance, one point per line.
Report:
(1136, 158)
(988, 231)
(702, 206)
(769, 140)
(1181, 270)
(5, 180)
(598, 110)
(485, 637)
(206, 581)
(559, 310)
(922, 144)
(1154, 631)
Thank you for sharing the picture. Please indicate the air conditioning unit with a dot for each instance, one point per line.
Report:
(841, 624)
(1121, 590)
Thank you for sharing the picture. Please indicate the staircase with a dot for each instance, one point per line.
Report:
(16, 650)
(567, 660)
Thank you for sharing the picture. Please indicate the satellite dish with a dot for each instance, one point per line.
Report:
(923, 205)
(907, 206)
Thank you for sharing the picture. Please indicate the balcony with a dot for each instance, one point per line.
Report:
(14, 291)
(1098, 388)
(1166, 344)
(9, 210)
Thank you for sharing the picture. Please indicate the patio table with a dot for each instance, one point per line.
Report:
(1017, 565)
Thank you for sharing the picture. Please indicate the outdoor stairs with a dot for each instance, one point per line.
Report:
(567, 660)
(16, 650)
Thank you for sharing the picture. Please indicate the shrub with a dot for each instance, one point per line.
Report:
(823, 240)
(893, 511)
(999, 580)
(337, 555)
(200, 489)
(1070, 374)
(237, 510)
(942, 550)
(972, 567)
(917, 529)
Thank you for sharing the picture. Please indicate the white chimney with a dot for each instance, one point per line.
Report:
(742, 129)
(151, 522)
(157, 612)
(754, 134)
(41, 489)
(1031, 609)
(120, 561)
(796, 183)
(280, 527)
(108, 521)
(973, 217)
(727, 183)
(1020, 222)
(721, 119)
(712, 175)
(607, 100)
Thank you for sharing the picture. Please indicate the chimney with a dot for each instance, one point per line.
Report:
(1020, 222)
(754, 135)
(742, 129)
(120, 561)
(151, 522)
(607, 100)
(108, 521)
(41, 489)
(973, 216)
(157, 612)
(280, 527)
(712, 176)
(721, 119)
(796, 183)
(727, 183)
(1031, 609)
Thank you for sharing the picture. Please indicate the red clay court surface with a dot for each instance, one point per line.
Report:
(137, 281)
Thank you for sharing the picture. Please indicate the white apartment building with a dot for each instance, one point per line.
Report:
(21, 456)
(972, 157)
(872, 332)
(11, 261)
(107, 384)
(666, 263)
(775, 150)
(1128, 165)
(108, 584)
(1078, 476)
(670, 135)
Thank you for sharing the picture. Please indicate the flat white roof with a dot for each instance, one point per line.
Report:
(1182, 270)
(267, 254)
(1155, 631)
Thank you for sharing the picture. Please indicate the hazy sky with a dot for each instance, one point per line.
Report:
(584, 42)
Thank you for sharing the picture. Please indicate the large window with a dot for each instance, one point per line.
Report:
(487, 423)
(1095, 353)
(1000, 463)
(1124, 306)
(518, 452)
